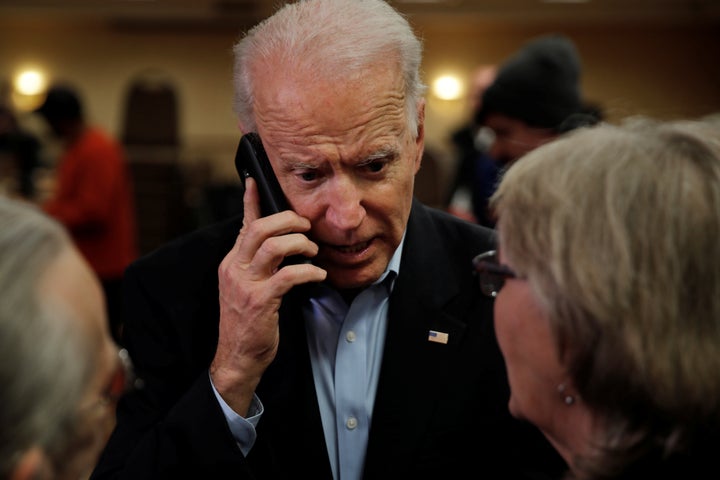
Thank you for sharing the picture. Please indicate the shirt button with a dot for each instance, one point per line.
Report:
(351, 423)
(350, 336)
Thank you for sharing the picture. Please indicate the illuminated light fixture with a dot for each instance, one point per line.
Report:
(448, 87)
(29, 89)
(30, 82)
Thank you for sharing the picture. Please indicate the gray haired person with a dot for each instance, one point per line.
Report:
(58, 363)
(607, 289)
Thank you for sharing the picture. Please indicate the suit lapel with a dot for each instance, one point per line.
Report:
(426, 297)
(413, 367)
(292, 413)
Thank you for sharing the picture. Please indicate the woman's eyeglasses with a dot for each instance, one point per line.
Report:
(491, 274)
(123, 380)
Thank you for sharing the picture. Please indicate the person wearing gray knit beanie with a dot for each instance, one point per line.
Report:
(535, 97)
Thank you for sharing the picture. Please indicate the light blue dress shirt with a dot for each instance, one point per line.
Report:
(346, 344)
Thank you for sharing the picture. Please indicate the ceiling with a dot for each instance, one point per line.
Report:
(244, 13)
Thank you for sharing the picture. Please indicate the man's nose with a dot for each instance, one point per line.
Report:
(345, 210)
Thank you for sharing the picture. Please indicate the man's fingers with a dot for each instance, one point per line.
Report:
(251, 201)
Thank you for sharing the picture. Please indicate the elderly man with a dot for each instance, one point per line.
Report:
(376, 360)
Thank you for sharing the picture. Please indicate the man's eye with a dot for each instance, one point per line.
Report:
(375, 167)
(308, 176)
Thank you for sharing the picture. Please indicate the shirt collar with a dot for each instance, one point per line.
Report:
(393, 268)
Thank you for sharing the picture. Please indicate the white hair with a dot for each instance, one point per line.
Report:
(45, 365)
(336, 39)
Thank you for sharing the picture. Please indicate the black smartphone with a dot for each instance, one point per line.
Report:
(252, 161)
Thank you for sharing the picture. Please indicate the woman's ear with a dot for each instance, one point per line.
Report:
(32, 466)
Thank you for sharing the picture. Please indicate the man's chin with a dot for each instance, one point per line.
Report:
(351, 279)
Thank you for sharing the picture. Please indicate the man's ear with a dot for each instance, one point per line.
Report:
(420, 139)
(421, 121)
(32, 466)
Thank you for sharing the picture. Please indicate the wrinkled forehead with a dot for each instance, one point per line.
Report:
(314, 76)
(303, 97)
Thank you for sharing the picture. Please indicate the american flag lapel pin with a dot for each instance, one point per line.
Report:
(437, 337)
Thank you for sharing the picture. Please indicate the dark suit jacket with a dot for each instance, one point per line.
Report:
(440, 409)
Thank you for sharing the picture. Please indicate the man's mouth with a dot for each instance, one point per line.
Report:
(349, 249)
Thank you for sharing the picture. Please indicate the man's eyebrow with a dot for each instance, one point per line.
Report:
(298, 165)
(383, 152)
(294, 161)
(294, 166)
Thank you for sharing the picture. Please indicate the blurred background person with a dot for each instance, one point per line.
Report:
(19, 156)
(59, 368)
(609, 317)
(535, 96)
(476, 173)
(92, 195)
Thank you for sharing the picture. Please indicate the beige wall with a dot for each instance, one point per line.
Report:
(658, 70)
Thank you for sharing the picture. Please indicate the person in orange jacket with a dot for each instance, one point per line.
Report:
(92, 195)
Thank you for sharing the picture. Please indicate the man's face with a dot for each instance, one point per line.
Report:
(345, 160)
(514, 138)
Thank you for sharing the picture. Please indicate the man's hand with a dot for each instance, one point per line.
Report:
(251, 290)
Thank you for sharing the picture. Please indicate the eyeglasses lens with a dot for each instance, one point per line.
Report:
(491, 275)
(122, 380)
